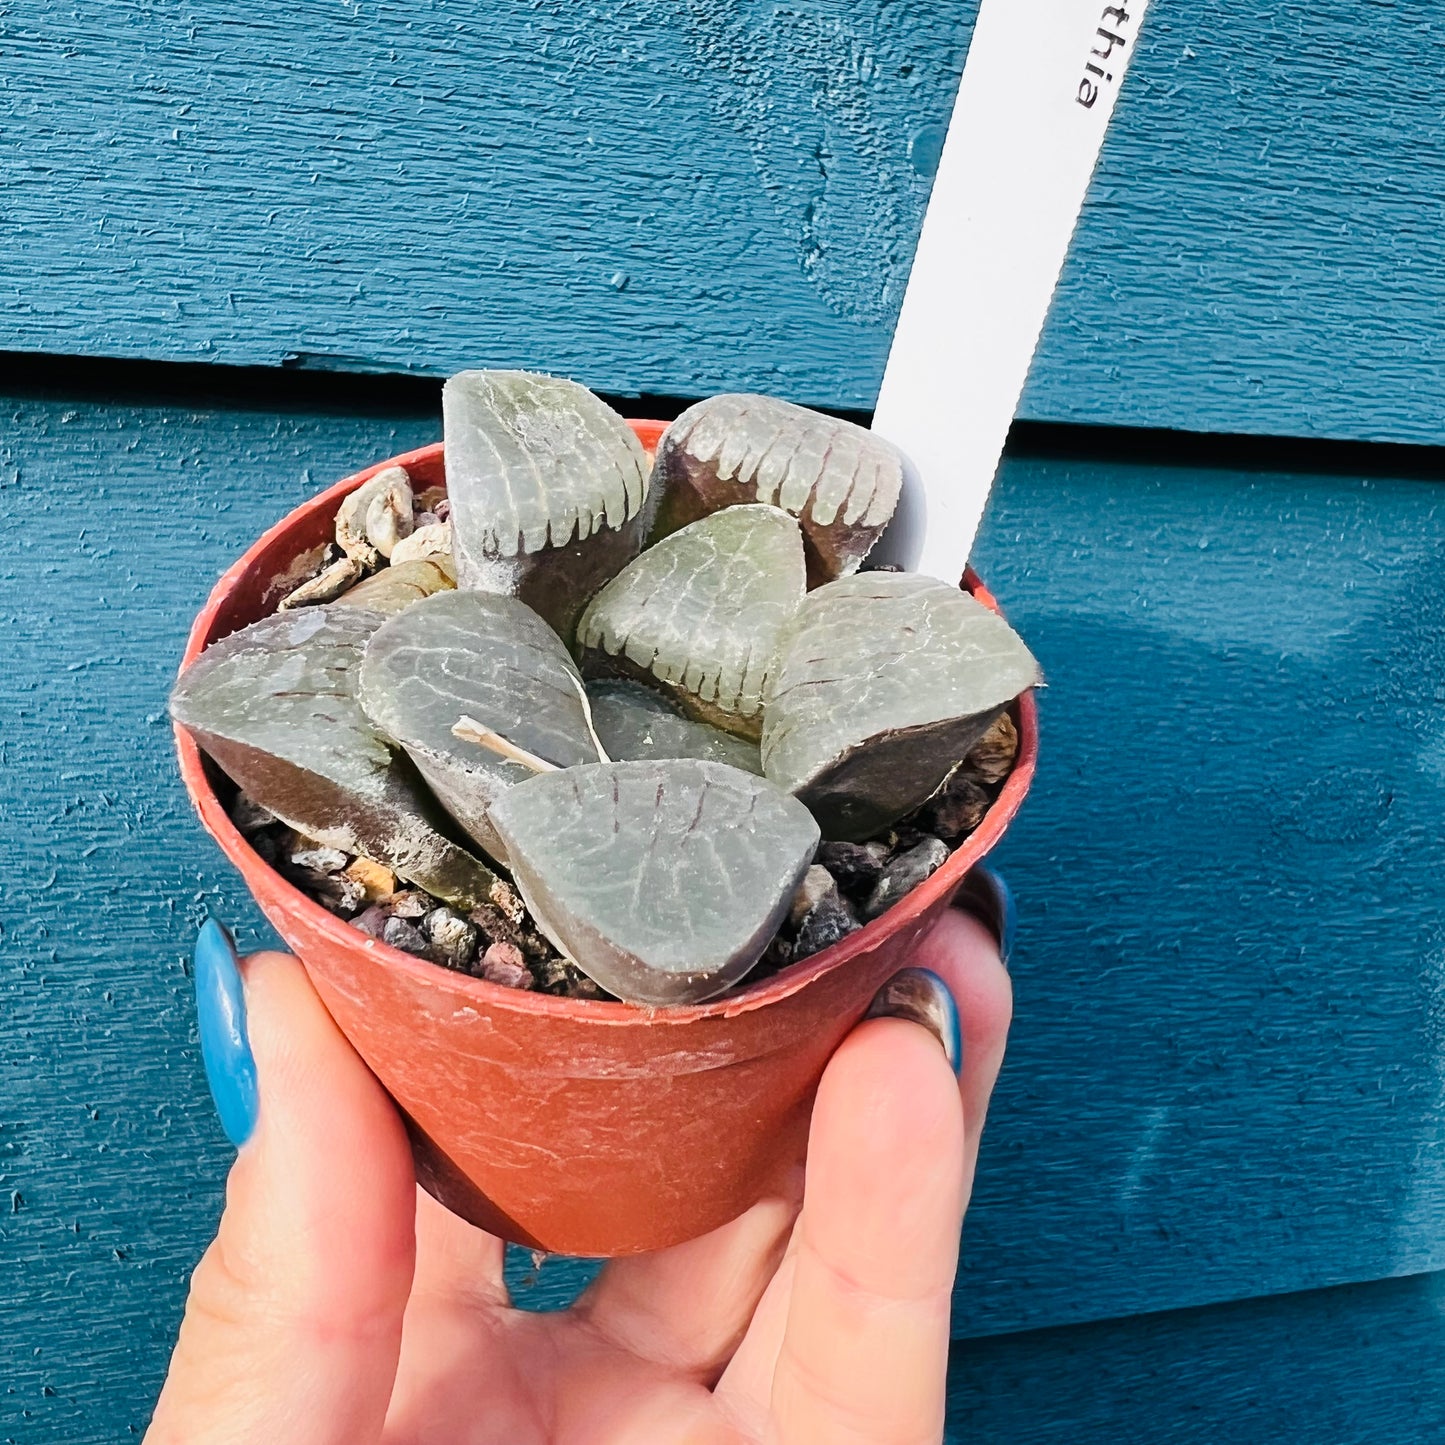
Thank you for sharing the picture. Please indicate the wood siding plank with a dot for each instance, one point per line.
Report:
(678, 199)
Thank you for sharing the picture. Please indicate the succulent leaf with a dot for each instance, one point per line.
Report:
(664, 881)
(701, 613)
(548, 489)
(275, 706)
(838, 479)
(636, 723)
(493, 661)
(883, 683)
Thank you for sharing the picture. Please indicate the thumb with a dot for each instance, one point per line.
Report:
(293, 1324)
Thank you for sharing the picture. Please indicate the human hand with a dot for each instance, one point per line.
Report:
(340, 1305)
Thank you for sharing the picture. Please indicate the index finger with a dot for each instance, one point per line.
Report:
(894, 1140)
(865, 1349)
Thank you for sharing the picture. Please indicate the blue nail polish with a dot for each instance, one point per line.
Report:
(921, 996)
(221, 1019)
(1005, 911)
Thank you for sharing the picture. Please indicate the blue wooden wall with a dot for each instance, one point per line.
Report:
(1212, 1198)
(684, 197)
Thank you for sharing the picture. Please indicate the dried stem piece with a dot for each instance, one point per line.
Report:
(469, 730)
(587, 716)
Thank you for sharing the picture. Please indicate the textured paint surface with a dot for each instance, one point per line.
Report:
(112, 1161)
(682, 199)
(1226, 1076)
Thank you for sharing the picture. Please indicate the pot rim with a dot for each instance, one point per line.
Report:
(780, 985)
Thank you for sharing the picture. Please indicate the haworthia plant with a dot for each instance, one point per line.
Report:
(548, 489)
(493, 661)
(636, 723)
(656, 843)
(663, 881)
(838, 479)
(701, 612)
(275, 706)
(883, 683)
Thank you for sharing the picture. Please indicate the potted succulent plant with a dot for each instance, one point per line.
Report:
(599, 785)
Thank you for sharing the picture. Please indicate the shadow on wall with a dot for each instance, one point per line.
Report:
(1225, 1077)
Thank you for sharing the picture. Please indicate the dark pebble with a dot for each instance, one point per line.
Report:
(562, 977)
(904, 834)
(371, 921)
(405, 935)
(342, 895)
(453, 940)
(334, 891)
(502, 964)
(856, 866)
(959, 808)
(830, 920)
(904, 873)
(535, 946)
(777, 955)
(250, 817)
(554, 976)
(499, 925)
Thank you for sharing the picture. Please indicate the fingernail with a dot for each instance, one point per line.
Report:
(918, 994)
(985, 895)
(221, 1018)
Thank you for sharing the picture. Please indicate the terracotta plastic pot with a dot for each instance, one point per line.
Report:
(562, 1124)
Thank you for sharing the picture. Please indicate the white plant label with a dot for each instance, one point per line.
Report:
(1038, 88)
